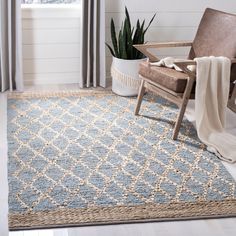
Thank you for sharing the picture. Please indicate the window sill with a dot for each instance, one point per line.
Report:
(51, 10)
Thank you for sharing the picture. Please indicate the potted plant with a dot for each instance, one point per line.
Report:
(126, 58)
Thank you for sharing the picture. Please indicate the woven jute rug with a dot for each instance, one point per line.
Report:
(84, 159)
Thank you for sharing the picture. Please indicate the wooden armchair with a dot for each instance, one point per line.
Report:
(215, 36)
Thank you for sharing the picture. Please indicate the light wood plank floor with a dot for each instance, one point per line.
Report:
(216, 227)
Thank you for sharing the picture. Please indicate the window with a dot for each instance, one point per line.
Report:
(49, 1)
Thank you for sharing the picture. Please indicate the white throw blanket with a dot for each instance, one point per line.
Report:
(169, 62)
(212, 91)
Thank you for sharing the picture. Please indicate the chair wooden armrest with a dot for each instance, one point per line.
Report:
(183, 65)
(144, 47)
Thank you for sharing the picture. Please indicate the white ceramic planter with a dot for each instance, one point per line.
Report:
(125, 78)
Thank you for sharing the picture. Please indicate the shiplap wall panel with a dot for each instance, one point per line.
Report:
(51, 44)
(163, 19)
(57, 23)
(38, 66)
(48, 36)
(49, 51)
(169, 5)
(52, 78)
(175, 20)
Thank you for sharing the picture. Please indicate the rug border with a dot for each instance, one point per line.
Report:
(123, 215)
(62, 93)
(146, 213)
(123, 222)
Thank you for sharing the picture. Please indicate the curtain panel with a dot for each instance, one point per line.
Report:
(93, 44)
(10, 45)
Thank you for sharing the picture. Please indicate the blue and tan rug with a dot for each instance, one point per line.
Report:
(86, 159)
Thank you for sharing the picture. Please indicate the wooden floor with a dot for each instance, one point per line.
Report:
(216, 227)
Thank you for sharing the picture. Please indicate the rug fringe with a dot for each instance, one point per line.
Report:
(62, 93)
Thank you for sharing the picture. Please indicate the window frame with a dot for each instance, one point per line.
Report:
(52, 3)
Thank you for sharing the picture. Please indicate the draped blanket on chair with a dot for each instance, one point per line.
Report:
(212, 93)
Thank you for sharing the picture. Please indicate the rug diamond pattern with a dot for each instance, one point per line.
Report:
(92, 151)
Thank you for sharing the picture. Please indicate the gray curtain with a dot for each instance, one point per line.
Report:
(93, 44)
(10, 45)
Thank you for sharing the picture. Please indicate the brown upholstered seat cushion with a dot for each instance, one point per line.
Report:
(166, 77)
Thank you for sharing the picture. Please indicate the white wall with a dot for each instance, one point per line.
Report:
(176, 19)
(51, 44)
(51, 37)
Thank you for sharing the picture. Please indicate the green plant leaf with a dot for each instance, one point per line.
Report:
(132, 31)
(150, 23)
(113, 37)
(129, 41)
(136, 38)
(142, 26)
(138, 24)
(122, 42)
(127, 37)
(119, 43)
(111, 50)
(127, 17)
(136, 33)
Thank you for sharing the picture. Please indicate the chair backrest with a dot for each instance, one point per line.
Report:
(216, 36)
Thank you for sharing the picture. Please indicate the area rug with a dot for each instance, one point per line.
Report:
(85, 159)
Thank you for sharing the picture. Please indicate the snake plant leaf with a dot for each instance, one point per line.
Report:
(119, 46)
(142, 26)
(138, 24)
(132, 31)
(142, 34)
(129, 40)
(140, 55)
(127, 17)
(113, 37)
(128, 33)
(127, 37)
(136, 34)
(150, 23)
(111, 50)
(136, 38)
(119, 41)
(122, 44)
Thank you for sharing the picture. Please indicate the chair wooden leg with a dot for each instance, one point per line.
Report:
(184, 104)
(179, 120)
(140, 97)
